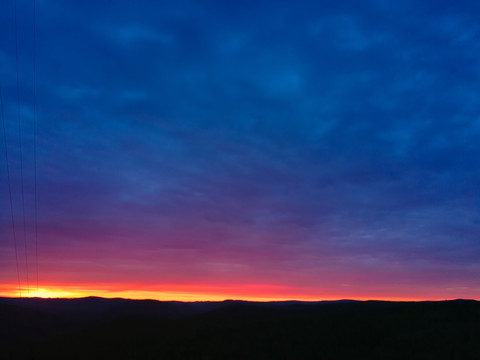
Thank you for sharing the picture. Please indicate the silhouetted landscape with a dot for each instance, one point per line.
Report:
(87, 328)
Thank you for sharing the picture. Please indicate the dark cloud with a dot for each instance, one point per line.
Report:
(317, 131)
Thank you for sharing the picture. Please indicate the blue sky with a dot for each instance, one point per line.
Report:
(317, 146)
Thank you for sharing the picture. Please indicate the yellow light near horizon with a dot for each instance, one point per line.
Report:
(179, 293)
(52, 293)
(162, 295)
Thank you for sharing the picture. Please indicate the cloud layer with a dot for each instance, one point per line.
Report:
(316, 146)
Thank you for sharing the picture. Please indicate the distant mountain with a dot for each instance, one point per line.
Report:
(97, 328)
(93, 307)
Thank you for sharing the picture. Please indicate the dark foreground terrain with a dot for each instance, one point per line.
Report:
(96, 328)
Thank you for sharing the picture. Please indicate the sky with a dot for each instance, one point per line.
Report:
(259, 150)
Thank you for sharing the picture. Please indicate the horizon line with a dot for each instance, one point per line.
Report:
(241, 300)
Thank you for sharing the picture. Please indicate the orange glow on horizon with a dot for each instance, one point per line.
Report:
(252, 292)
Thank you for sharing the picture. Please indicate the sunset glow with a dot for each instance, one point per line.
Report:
(254, 292)
(208, 150)
(207, 294)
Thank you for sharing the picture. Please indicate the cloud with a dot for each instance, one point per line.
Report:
(284, 137)
(130, 35)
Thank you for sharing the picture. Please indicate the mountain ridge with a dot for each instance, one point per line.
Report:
(150, 329)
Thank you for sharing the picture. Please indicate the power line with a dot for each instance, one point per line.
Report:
(10, 191)
(35, 131)
(21, 149)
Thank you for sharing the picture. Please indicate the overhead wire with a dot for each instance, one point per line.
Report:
(35, 133)
(14, 232)
(22, 190)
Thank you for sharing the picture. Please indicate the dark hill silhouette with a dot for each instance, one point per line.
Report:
(146, 329)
